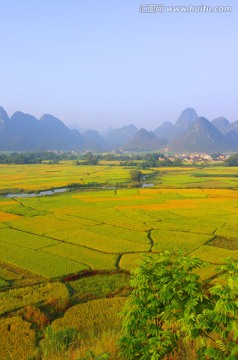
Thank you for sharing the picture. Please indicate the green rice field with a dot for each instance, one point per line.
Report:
(54, 236)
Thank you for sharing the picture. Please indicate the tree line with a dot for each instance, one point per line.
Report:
(30, 157)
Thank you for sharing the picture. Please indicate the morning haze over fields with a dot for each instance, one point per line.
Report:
(118, 180)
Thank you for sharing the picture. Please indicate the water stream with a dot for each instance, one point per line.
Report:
(34, 194)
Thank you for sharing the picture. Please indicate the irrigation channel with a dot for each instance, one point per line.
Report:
(54, 191)
(34, 194)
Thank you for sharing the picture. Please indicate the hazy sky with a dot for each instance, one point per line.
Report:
(102, 63)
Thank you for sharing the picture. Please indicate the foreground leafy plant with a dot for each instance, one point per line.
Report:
(170, 304)
(57, 342)
(220, 322)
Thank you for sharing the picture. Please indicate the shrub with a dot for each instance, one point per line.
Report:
(34, 315)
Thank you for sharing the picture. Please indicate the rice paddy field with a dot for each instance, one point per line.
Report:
(61, 254)
(190, 210)
(47, 176)
(43, 176)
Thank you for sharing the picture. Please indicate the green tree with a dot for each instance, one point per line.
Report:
(170, 304)
(232, 160)
(135, 175)
(91, 159)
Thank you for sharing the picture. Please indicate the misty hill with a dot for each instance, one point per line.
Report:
(202, 137)
(93, 141)
(3, 117)
(222, 124)
(163, 131)
(119, 137)
(184, 122)
(144, 141)
(57, 135)
(234, 126)
(24, 132)
(171, 131)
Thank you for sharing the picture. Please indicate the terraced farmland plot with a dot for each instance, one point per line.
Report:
(121, 201)
(90, 258)
(100, 242)
(137, 215)
(46, 224)
(120, 233)
(189, 225)
(212, 209)
(38, 262)
(165, 206)
(4, 202)
(49, 202)
(186, 193)
(109, 216)
(4, 216)
(130, 261)
(221, 193)
(229, 230)
(157, 216)
(214, 255)
(104, 230)
(107, 194)
(24, 239)
(19, 209)
(231, 219)
(178, 241)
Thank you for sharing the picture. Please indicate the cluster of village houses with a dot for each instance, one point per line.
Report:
(198, 157)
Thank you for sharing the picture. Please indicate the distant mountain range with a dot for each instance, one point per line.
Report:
(190, 133)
